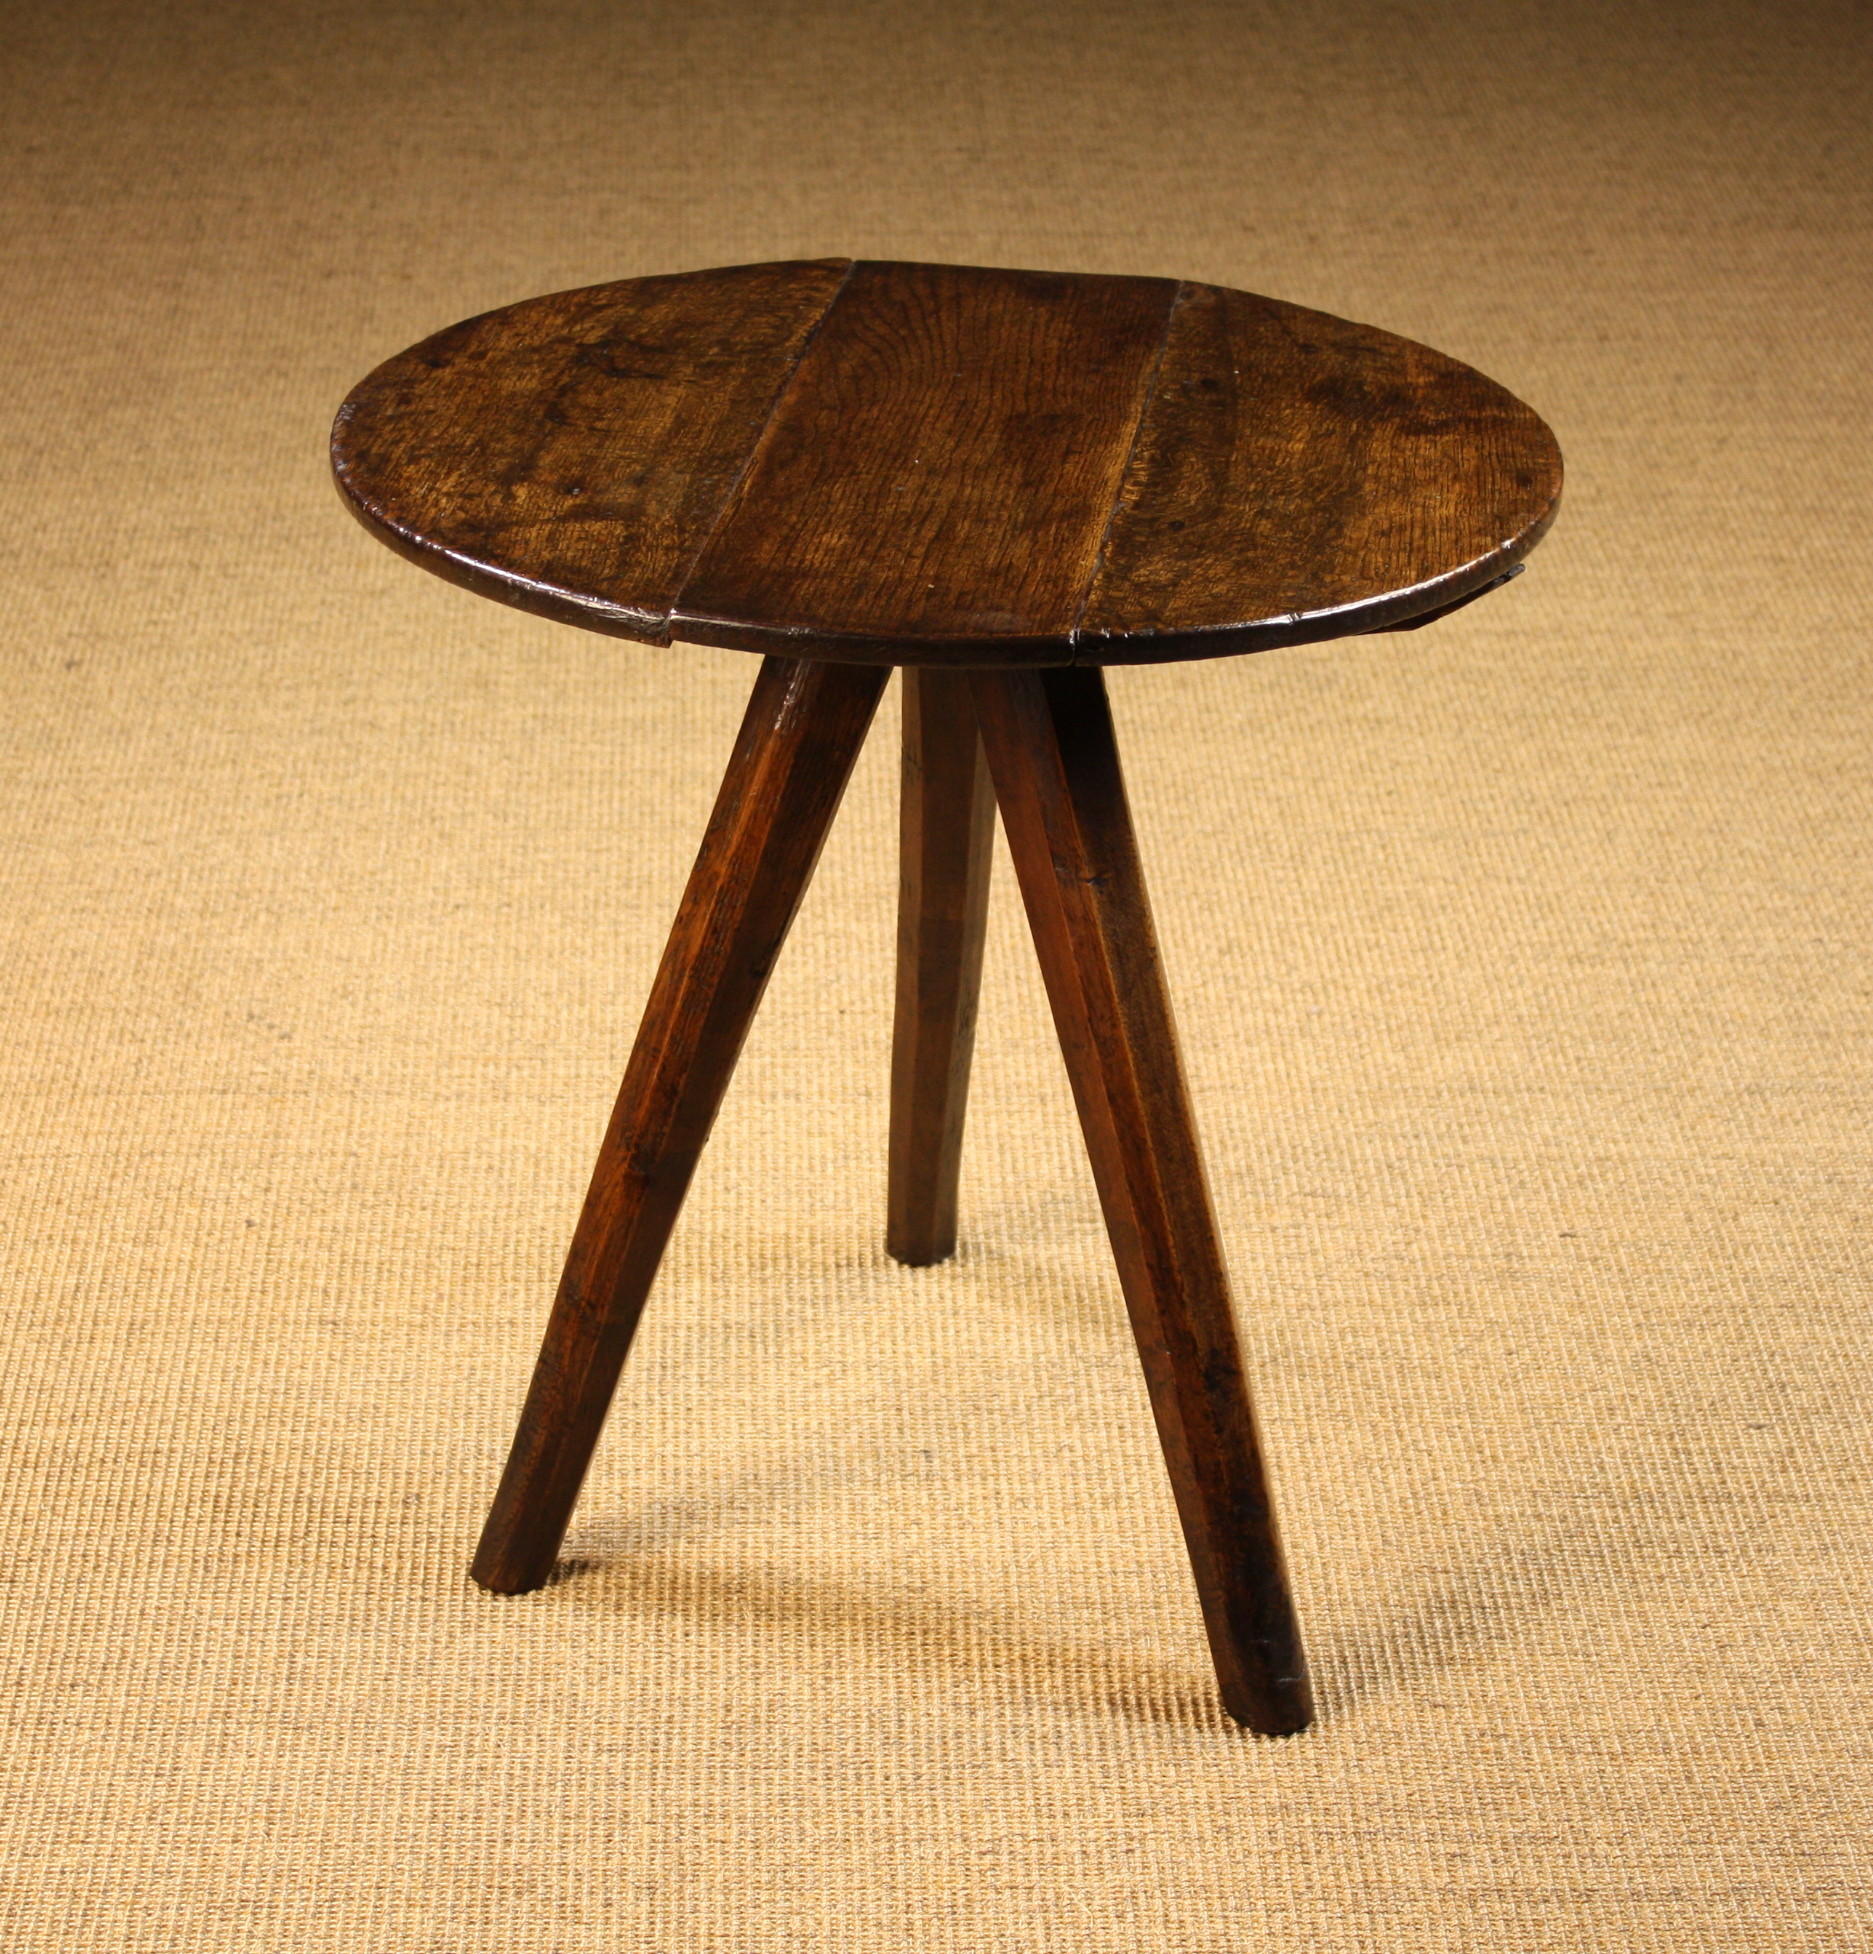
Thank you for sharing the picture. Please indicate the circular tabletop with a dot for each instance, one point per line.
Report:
(914, 464)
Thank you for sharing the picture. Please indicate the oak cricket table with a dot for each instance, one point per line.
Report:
(1000, 481)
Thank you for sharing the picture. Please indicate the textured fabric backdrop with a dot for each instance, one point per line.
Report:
(1521, 965)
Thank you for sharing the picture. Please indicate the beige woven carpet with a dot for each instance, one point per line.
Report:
(1522, 965)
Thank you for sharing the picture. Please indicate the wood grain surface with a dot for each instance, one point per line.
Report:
(1312, 476)
(947, 465)
(941, 470)
(571, 454)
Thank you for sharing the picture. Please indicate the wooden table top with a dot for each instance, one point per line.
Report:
(901, 464)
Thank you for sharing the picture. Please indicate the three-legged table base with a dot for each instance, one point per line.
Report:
(1044, 740)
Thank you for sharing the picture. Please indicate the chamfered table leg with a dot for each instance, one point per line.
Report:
(946, 835)
(1048, 735)
(802, 731)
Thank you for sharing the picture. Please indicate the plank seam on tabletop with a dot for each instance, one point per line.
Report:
(1146, 398)
(747, 460)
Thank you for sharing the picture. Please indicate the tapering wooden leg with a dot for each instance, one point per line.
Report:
(946, 834)
(1056, 770)
(802, 732)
